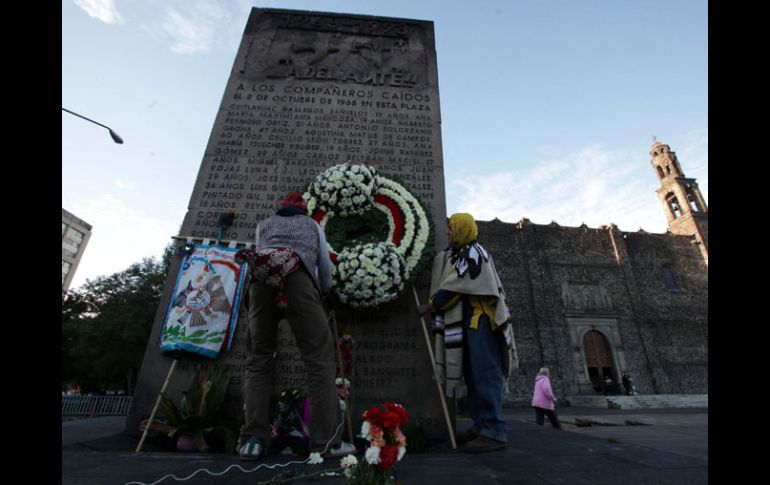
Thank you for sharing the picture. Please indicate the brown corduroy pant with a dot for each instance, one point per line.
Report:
(307, 318)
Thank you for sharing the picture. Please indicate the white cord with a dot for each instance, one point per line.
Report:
(244, 470)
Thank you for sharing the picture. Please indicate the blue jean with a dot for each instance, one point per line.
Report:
(483, 366)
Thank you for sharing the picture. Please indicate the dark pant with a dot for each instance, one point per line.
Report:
(539, 412)
(485, 380)
(307, 319)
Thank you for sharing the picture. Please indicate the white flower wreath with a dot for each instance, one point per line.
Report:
(343, 190)
(367, 275)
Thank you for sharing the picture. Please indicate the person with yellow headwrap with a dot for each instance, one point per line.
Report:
(474, 346)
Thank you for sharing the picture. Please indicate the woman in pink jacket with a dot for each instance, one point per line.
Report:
(543, 400)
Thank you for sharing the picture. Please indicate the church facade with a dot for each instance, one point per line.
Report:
(596, 303)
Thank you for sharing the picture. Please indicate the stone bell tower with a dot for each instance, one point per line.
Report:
(682, 201)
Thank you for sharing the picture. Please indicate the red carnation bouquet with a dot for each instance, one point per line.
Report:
(387, 445)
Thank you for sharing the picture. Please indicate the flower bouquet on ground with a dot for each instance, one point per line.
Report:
(290, 433)
(387, 445)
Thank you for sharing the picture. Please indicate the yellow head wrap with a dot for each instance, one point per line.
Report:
(464, 229)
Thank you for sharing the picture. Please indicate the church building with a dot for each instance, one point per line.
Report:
(595, 303)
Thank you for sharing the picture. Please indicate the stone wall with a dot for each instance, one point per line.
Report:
(562, 281)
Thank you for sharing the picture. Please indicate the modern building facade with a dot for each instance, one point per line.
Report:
(75, 234)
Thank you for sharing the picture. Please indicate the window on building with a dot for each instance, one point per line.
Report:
(70, 243)
(75, 235)
(668, 169)
(668, 278)
(692, 201)
(673, 204)
(660, 172)
(65, 270)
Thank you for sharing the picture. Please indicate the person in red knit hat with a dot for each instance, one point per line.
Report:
(290, 275)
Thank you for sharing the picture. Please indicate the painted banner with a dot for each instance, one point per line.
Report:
(203, 310)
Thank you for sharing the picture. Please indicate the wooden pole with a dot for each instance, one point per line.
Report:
(155, 408)
(342, 376)
(435, 374)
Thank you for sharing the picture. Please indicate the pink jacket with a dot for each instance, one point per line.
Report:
(543, 397)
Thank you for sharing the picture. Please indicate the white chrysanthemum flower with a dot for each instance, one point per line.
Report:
(349, 461)
(349, 465)
(372, 455)
(401, 452)
(365, 428)
(315, 459)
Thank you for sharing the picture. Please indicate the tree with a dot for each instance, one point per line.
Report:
(106, 324)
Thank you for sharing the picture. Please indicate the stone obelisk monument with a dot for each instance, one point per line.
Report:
(309, 90)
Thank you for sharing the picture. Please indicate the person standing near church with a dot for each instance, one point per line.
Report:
(626, 383)
(468, 303)
(543, 399)
(290, 274)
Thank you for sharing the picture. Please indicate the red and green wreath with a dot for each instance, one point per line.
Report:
(379, 233)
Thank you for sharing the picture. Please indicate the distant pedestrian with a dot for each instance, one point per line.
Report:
(627, 383)
(544, 400)
(608, 383)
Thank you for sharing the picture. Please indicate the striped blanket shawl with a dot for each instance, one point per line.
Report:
(449, 275)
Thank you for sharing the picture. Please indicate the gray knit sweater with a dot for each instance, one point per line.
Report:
(306, 237)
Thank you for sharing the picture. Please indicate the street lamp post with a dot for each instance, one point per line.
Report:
(114, 135)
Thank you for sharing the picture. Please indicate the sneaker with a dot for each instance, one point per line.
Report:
(251, 450)
(482, 444)
(343, 449)
(466, 436)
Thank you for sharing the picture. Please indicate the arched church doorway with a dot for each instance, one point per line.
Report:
(598, 355)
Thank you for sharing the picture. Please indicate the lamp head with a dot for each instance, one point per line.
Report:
(115, 137)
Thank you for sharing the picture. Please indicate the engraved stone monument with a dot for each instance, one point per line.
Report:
(309, 90)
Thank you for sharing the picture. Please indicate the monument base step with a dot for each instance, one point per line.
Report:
(640, 401)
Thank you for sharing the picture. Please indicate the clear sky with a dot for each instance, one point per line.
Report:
(548, 108)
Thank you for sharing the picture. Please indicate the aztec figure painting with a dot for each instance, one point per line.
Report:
(203, 311)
